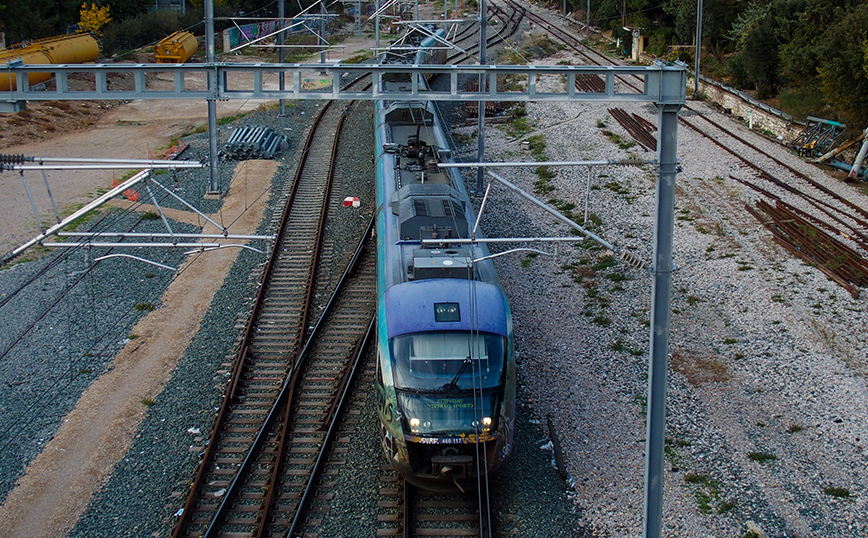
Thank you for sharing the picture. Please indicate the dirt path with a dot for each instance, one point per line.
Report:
(59, 483)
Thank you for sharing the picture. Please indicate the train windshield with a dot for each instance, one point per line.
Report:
(444, 362)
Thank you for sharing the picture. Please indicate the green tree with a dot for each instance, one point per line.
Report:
(34, 19)
(844, 70)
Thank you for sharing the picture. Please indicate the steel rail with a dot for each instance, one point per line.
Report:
(281, 451)
(335, 413)
(813, 200)
(572, 42)
(244, 348)
(245, 353)
(494, 39)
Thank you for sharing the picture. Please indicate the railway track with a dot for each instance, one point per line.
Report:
(836, 222)
(510, 20)
(409, 512)
(267, 439)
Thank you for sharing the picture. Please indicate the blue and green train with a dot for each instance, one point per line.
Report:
(446, 361)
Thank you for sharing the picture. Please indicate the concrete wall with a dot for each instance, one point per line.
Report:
(764, 118)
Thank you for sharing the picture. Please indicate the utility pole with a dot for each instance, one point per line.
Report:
(281, 54)
(214, 182)
(322, 31)
(661, 270)
(480, 109)
(698, 47)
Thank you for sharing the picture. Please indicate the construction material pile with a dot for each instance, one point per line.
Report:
(254, 142)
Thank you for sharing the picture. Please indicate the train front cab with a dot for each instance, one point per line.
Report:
(446, 385)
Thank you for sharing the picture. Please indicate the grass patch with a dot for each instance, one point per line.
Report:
(616, 187)
(144, 307)
(543, 184)
(841, 493)
(761, 457)
(729, 341)
(537, 145)
(148, 401)
(150, 215)
(519, 127)
(230, 119)
(617, 140)
(601, 320)
(605, 262)
(359, 58)
(692, 300)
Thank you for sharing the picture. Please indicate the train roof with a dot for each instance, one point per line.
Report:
(410, 307)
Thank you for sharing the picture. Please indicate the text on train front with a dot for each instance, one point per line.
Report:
(449, 383)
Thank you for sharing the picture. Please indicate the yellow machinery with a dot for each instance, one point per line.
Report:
(176, 49)
(65, 49)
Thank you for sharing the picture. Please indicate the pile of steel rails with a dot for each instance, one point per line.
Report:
(638, 127)
(796, 232)
(253, 142)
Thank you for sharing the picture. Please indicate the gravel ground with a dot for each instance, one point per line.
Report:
(44, 369)
(767, 395)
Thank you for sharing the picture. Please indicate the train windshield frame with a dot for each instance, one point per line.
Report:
(448, 361)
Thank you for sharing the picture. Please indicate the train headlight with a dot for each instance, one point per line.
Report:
(414, 424)
(486, 423)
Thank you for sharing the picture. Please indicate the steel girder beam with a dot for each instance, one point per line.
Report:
(661, 84)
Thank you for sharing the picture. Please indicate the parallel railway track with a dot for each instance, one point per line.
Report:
(266, 443)
(832, 212)
(266, 467)
(510, 20)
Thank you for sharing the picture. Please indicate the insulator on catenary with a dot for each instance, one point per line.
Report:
(632, 260)
(13, 158)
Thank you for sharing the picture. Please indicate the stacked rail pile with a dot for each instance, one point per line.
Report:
(254, 143)
(797, 234)
(638, 127)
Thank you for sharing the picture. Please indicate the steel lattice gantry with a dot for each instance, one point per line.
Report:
(662, 85)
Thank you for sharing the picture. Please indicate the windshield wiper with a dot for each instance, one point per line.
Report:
(454, 383)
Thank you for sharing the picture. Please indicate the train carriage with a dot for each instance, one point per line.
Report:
(446, 362)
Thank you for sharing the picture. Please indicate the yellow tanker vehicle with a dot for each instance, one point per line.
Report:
(65, 49)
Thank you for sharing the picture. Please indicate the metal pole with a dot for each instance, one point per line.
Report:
(588, 19)
(660, 305)
(480, 110)
(565, 11)
(281, 55)
(214, 183)
(377, 25)
(322, 31)
(698, 47)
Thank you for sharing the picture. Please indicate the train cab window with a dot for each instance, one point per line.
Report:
(447, 361)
